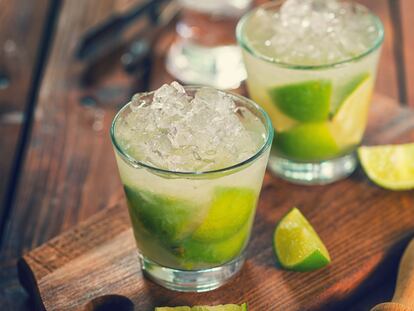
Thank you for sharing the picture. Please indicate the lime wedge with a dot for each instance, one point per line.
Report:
(297, 245)
(260, 95)
(229, 307)
(196, 253)
(343, 91)
(183, 308)
(307, 141)
(306, 101)
(229, 211)
(349, 122)
(167, 217)
(389, 166)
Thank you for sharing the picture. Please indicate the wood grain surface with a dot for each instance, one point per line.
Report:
(68, 172)
(22, 24)
(67, 175)
(364, 227)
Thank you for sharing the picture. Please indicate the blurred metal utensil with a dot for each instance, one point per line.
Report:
(99, 39)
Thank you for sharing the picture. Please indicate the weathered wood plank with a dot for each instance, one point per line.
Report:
(68, 174)
(407, 23)
(22, 23)
(364, 227)
(22, 27)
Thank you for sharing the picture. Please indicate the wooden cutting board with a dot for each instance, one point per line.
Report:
(95, 265)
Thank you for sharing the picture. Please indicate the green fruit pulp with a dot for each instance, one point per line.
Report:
(229, 211)
(307, 141)
(343, 93)
(305, 102)
(170, 231)
(312, 103)
(195, 252)
(166, 217)
(297, 245)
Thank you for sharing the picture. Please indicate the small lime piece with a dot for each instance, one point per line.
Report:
(389, 166)
(228, 307)
(182, 308)
(196, 253)
(229, 211)
(348, 124)
(307, 141)
(306, 101)
(167, 217)
(344, 91)
(297, 245)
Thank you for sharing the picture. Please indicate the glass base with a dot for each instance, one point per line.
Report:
(191, 281)
(313, 173)
(220, 67)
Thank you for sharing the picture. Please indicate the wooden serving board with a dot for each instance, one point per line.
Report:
(364, 227)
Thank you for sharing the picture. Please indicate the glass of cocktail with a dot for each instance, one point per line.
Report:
(192, 162)
(205, 49)
(311, 65)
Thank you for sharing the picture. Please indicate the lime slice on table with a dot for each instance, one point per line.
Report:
(307, 141)
(389, 166)
(167, 217)
(348, 123)
(297, 246)
(230, 209)
(228, 307)
(305, 101)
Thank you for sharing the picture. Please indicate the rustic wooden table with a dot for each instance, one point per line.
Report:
(56, 164)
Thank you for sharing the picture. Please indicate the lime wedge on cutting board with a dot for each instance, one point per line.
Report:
(389, 166)
(297, 246)
(228, 307)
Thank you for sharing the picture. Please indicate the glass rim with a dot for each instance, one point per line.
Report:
(136, 163)
(242, 41)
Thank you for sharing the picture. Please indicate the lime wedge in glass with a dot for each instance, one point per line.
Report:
(280, 121)
(389, 166)
(305, 101)
(195, 252)
(230, 209)
(307, 141)
(343, 91)
(167, 217)
(297, 246)
(228, 307)
(348, 123)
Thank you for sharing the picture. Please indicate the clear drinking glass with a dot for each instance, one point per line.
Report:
(312, 146)
(192, 228)
(205, 51)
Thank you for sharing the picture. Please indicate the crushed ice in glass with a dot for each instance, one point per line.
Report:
(182, 132)
(312, 32)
